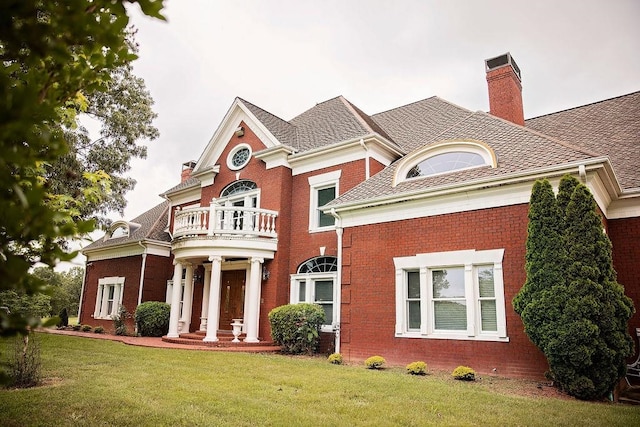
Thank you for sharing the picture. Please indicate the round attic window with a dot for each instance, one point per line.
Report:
(239, 157)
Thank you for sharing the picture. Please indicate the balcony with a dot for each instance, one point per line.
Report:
(225, 222)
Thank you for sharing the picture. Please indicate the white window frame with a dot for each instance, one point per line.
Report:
(310, 289)
(105, 284)
(317, 183)
(233, 152)
(470, 260)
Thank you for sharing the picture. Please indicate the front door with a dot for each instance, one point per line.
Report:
(231, 297)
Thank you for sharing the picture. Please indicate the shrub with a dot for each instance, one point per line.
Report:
(120, 321)
(335, 359)
(296, 327)
(98, 329)
(86, 328)
(25, 366)
(152, 318)
(64, 319)
(76, 327)
(417, 368)
(464, 373)
(375, 362)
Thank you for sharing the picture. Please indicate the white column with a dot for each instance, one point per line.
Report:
(253, 293)
(116, 299)
(205, 297)
(175, 300)
(96, 311)
(213, 318)
(188, 298)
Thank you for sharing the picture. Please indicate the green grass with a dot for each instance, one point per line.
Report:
(99, 382)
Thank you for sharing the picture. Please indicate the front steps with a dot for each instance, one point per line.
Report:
(224, 342)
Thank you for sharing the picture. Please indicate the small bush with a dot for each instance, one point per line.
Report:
(417, 368)
(152, 318)
(296, 327)
(120, 321)
(464, 373)
(76, 327)
(64, 318)
(335, 359)
(375, 362)
(86, 328)
(25, 366)
(98, 329)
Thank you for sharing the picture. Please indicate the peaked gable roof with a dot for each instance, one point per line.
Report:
(610, 128)
(153, 224)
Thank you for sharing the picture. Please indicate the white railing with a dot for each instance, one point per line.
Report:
(225, 221)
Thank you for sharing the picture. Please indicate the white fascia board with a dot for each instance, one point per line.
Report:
(153, 247)
(275, 156)
(625, 207)
(187, 195)
(237, 113)
(207, 176)
(343, 152)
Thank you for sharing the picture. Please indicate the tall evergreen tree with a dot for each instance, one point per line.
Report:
(567, 185)
(545, 263)
(591, 342)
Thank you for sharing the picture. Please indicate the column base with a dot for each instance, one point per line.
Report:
(252, 340)
(210, 339)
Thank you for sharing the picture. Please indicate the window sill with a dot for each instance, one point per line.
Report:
(449, 336)
(321, 229)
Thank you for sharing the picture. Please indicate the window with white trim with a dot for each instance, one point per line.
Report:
(108, 297)
(451, 295)
(323, 189)
(239, 157)
(315, 282)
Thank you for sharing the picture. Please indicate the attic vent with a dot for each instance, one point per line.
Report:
(501, 61)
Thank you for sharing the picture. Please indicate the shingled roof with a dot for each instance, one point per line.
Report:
(153, 224)
(610, 128)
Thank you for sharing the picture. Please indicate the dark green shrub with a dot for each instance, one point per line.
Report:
(64, 319)
(86, 328)
(76, 327)
(464, 373)
(152, 318)
(296, 327)
(375, 362)
(98, 330)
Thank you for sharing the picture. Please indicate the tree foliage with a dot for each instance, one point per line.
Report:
(572, 307)
(55, 54)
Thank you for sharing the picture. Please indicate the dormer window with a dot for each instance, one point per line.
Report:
(445, 157)
(121, 229)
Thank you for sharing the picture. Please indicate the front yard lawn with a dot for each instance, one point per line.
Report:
(99, 382)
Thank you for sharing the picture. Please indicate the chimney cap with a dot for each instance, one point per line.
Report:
(501, 61)
(189, 165)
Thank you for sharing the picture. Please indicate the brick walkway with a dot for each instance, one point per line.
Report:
(159, 343)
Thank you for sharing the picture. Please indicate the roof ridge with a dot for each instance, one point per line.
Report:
(160, 216)
(584, 105)
(262, 109)
(356, 112)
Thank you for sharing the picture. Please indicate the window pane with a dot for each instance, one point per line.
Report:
(325, 195)
(112, 290)
(488, 315)
(450, 315)
(324, 290)
(446, 162)
(414, 314)
(413, 287)
(448, 283)
(302, 291)
(328, 313)
(485, 281)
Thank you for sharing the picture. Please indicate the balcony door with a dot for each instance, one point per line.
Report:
(240, 194)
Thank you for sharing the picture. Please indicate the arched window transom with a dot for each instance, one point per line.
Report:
(321, 264)
(237, 187)
(446, 162)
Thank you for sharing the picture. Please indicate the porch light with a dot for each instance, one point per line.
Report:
(265, 274)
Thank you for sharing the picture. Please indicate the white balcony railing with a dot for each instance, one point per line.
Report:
(218, 220)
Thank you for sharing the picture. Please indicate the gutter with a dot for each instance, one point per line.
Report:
(338, 302)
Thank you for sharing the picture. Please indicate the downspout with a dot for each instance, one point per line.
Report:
(142, 268)
(338, 302)
(84, 281)
(367, 172)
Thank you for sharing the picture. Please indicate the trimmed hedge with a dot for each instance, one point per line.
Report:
(152, 318)
(296, 327)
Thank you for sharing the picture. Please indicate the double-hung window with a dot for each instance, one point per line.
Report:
(108, 297)
(323, 189)
(315, 282)
(451, 295)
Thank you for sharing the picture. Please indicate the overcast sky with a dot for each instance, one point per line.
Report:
(286, 56)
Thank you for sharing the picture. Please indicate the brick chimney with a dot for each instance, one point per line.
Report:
(505, 89)
(187, 168)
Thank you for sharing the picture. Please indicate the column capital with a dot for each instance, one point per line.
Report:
(215, 258)
(177, 261)
(256, 259)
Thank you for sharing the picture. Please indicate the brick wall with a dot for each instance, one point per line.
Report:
(368, 323)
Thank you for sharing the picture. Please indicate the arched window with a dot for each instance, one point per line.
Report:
(316, 282)
(444, 157)
(446, 162)
(237, 187)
